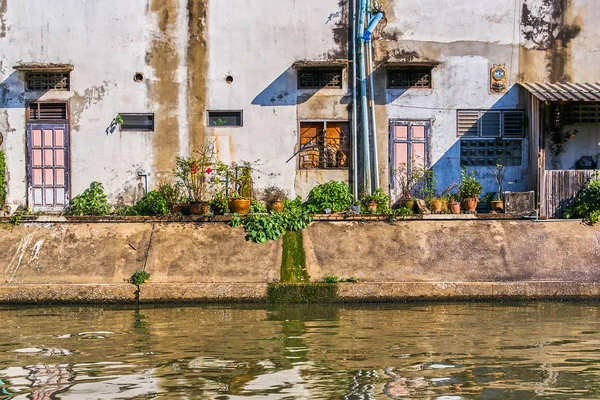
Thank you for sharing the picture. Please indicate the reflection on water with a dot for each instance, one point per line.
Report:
(424, 351)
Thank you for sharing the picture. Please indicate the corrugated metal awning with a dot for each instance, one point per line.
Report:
(564, 91)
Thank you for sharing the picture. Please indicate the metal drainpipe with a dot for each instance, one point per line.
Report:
(374, 124)
(354, 107)
(363, 96)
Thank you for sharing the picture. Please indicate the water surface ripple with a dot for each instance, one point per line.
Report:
(420, 351)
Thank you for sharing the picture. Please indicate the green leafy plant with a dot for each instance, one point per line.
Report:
(236, 221)
(379, 197)
(336, 279)
(403, 211)
(139, 277)
(219, 204)
(3, 180)
(332, 195)
(410, 180)
(119, 119)
(219, 122)
(153, 203)
(469, 186)
(257, 207)
(587, 202)
(92, 201)
(171, 193)
(262, 228)
(194, 172)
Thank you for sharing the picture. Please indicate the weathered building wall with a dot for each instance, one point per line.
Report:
(466, 40)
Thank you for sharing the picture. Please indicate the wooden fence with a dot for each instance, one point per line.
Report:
(560, 189)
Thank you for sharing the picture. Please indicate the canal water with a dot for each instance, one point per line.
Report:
(421, 351)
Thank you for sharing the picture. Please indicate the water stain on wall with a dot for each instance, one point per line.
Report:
(82, 101)
(3, 6)
(163, 88)
(197, 67)
(545, 28)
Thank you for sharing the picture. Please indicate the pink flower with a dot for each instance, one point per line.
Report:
(208, 170)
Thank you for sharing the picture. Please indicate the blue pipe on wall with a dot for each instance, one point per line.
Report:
(372, 25)
(354, 106)
(363, 97)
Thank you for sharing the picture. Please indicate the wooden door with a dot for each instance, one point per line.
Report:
(48, 166)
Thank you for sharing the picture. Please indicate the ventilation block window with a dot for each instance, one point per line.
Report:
(580, 113)
(488, 138)
(405, 78)
(320, 78)
(324, 145)
(137, 122)
(47, 80)
(47, 111)
(224, 118)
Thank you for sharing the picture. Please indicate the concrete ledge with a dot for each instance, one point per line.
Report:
(258, 292)
(203, 292)
(471, 291)
(66, 293)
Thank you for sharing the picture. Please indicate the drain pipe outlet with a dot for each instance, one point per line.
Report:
(372, 25)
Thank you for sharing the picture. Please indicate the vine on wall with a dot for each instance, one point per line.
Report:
(3, 181)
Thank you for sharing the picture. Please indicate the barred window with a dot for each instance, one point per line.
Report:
(324, 145)
(47, 111)
(404, 78)
(491, 137)
(319, 78)
(47, 81)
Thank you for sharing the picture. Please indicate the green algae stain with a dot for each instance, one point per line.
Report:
(293, 260)
(281, 293)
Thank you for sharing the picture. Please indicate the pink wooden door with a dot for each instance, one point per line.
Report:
(48, 171)
(409, 150)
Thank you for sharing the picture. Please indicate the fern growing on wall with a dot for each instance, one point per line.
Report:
(3, 181)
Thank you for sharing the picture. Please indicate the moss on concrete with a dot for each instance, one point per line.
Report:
(279, 293)
(293, 260)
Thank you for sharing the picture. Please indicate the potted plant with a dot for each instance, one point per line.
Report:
(172, 195)
(275, 197)
(453, 203)
(238, 185)
(377, 203)
(218, 204)
(192, 174)
(469, 189)
(408, 183)
(498, 203)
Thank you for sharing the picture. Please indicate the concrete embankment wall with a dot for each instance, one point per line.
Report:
(211, 261)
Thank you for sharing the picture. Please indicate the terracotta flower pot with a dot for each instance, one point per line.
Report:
(372, 206)
(454, 207)
(498, 206)
(199, 207)
(436, 206)
(176, 208)
(469, 204)
(276, 206)
(239, 206)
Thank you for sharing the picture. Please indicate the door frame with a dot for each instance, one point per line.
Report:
(67, 148)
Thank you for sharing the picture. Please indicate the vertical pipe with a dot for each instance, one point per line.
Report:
(374, 124)
(363, 96)
(354, 107)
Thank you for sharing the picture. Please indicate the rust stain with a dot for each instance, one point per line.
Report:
(197, 67)
(164, 88)
(3, 7)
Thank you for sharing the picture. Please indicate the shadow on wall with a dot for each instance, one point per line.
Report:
(448, 167)
(12, 92)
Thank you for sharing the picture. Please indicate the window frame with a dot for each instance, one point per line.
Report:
(43, 121)
(324, 122)
(339, 69)
(208, 112)
(123, 128)
(409, 69)
(505, 139)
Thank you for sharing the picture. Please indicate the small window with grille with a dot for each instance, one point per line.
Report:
(137, 122)
(324, 145)
(40, 111)
(320, 78)
(405, 78)
(41, 80)
(580, 113)
(489, 137)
